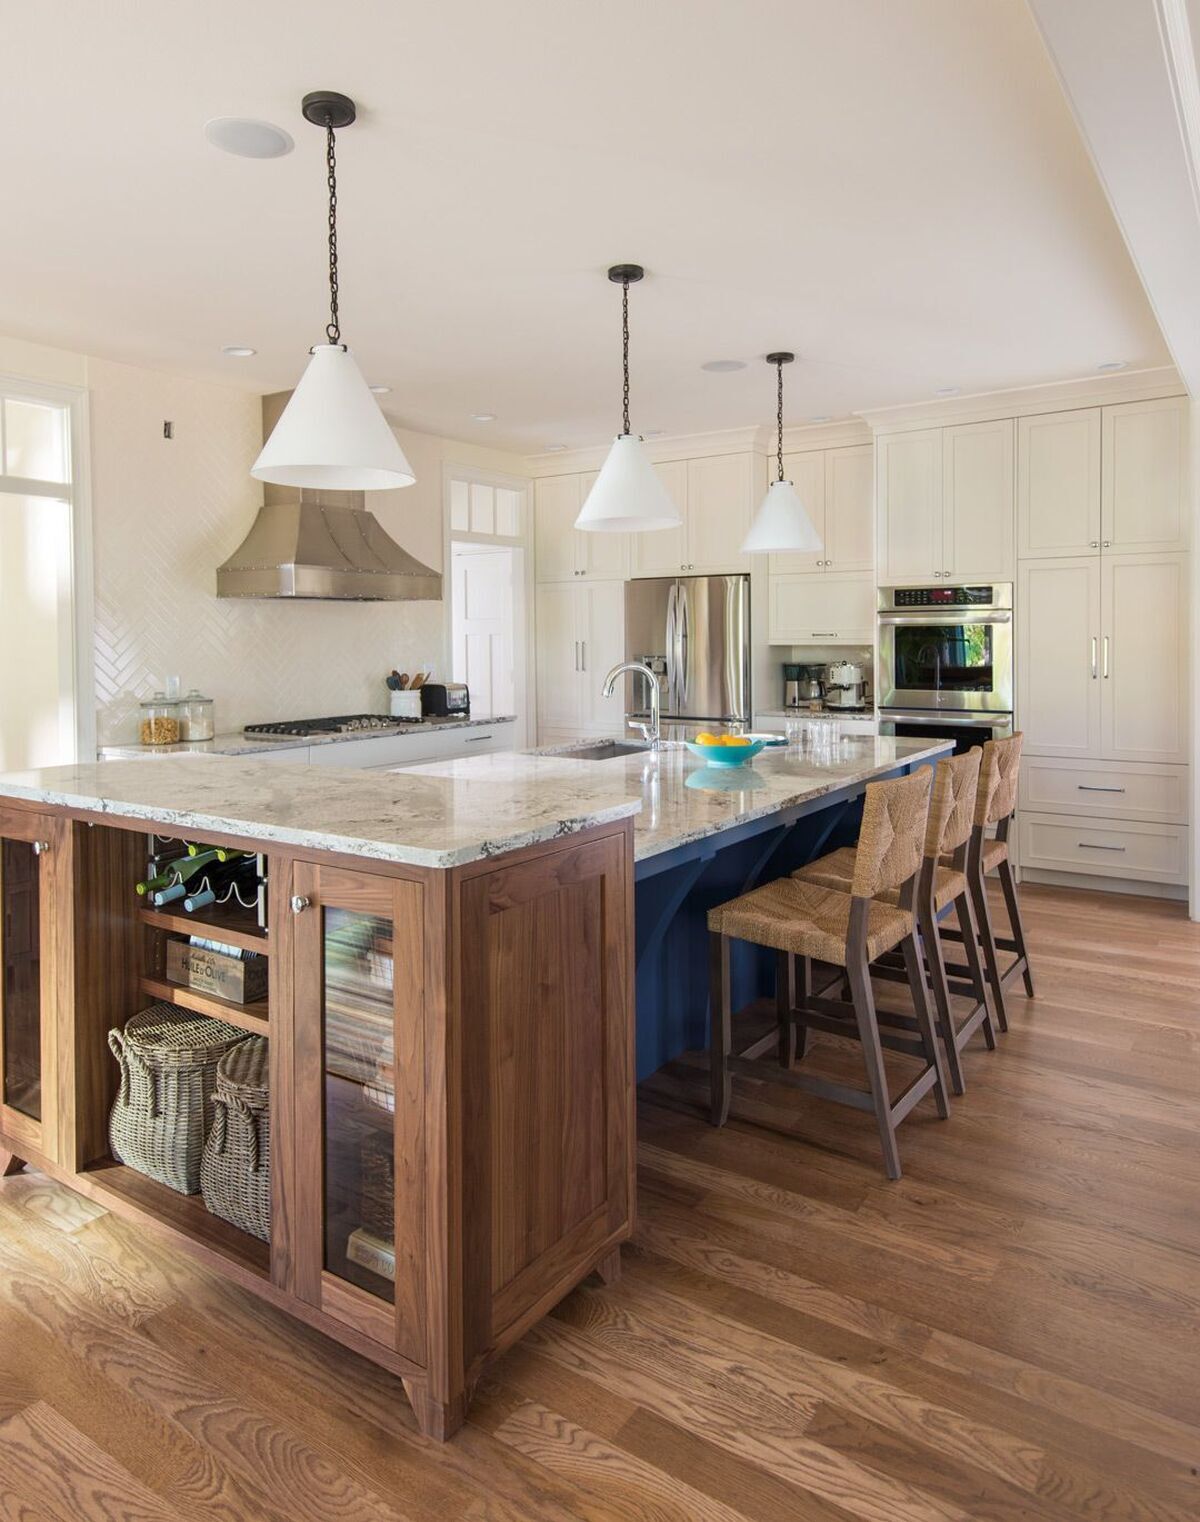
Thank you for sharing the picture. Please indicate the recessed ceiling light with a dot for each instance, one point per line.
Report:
(1110, 365)
(483, 417)
(247, 138)
(947, 391)
(555, 448)
(379, 390)
(821, 417)
(720, 366)
(238, 351)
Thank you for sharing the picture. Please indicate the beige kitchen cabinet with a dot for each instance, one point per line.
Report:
(837, 488)
(1102, 657)
(1144, 657)
(978, 528)
(561, 551)
(1058, 484)
(717, 496)
(580, 637)
(1103, 479)
(663, 552)
(1058, 656)
(1104, 789)
(821, 610)
(946, 503)
(1131, 851)
(1143, 501)
(909, 506)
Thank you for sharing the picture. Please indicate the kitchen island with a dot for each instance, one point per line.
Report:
(449, 1007)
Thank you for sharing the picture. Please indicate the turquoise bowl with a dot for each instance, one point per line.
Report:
(725, 755)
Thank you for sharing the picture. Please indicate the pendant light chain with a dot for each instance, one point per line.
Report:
(625, 351)
(779, 417)
(332, 329)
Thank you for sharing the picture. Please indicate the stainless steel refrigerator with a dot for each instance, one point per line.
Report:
(694, 632)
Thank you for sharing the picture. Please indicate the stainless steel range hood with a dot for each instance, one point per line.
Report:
(321, 544)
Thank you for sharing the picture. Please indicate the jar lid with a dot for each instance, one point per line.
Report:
(196, 696)
(159, 700)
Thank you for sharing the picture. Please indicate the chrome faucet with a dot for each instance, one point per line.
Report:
(651, 731)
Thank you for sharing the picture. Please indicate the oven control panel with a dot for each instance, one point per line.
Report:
(942, 597)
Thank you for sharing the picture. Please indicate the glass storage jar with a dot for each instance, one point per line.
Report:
(159, 721)
(196, 721)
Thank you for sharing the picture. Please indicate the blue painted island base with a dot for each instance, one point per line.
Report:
(676, 889)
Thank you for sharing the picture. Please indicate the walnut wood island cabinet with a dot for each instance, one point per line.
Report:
(451, 1066)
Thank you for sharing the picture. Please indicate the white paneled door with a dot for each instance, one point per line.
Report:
(1143, 657)
(484, 655)
(977, 502)
(1058, 484)
(1058, 656)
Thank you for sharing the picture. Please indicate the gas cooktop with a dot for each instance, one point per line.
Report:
(347, 724)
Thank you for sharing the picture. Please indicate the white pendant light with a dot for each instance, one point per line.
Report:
(627, 496)
(332, 434)
(782, 521)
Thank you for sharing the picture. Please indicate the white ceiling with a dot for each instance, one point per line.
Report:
(894, 190)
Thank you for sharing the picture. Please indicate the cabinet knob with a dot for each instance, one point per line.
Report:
(1094, 544)
(300, 903)
(1105, 544)
(40, 847)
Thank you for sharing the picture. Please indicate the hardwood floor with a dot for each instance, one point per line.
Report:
(1012, 1331)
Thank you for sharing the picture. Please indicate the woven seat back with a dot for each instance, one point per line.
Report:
(996, 797)
(952, 803)
(892, 834)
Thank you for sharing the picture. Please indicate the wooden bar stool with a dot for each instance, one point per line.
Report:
(995, 804)
(942, 882)
(803, 920)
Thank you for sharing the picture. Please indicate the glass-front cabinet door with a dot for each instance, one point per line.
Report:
(359, 1121)
(28, 1025)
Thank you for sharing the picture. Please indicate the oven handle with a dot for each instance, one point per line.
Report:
(977, 719)
(943, 618)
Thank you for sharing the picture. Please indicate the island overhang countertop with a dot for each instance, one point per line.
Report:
(449, 813)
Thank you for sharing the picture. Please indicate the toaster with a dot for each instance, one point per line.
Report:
(445, 700)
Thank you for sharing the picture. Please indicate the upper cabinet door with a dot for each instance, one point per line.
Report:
(977, 496)
(1058, 484)
(1144, 657)
(1144, 501)
(601, 555)
(1058, 656)
(850, 508)
(806, 472)
(909, 485)
(662, 552)
(720, 494)
(556, 503)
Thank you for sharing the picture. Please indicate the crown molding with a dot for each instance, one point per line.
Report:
(1022, 401)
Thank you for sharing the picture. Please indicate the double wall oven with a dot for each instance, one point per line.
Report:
(945, 658)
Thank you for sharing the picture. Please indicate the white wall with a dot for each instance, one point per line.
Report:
(166, 513)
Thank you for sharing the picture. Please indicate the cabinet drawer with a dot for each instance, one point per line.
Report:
(826, 609)
(1154, 853)
(1105, 789)
(377, 750)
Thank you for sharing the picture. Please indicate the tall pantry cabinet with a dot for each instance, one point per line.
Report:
(1102, 641)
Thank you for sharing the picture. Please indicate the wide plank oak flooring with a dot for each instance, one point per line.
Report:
(1009, 1333)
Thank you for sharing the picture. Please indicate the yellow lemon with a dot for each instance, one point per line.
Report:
(704, 738)
(736, 740)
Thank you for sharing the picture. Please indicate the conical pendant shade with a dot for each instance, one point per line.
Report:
(781, 523)
(332, 434)
(627, 496)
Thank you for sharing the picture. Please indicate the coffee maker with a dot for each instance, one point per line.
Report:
(802, 685)
(846, 685)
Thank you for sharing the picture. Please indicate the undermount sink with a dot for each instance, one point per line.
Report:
(604, 750)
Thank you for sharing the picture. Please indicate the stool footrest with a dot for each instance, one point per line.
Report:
(916, 1091)
(810, 1083)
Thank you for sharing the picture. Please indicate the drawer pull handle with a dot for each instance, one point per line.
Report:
(1087, 787)
(824, 634)
(1087, 845)
(476, 739)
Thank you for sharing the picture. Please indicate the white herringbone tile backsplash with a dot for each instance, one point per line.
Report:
(166, 513)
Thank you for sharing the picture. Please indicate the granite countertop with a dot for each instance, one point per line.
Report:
(235, 743)
(447, 813)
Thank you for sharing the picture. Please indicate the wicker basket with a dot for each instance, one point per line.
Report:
(235, 1172)
(164, 1110)
(377, 1182)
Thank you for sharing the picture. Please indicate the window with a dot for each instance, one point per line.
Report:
(38, 666)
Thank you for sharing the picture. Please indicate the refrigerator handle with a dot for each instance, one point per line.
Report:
(672, 635)
(684, 652)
